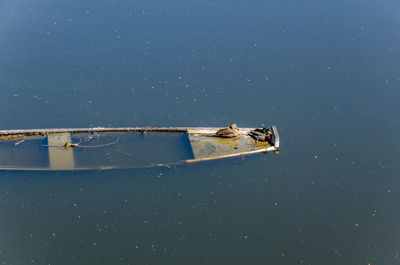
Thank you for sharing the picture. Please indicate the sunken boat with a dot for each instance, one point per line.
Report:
(104, 148)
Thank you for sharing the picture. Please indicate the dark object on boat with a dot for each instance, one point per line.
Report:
(261, 134)
(228, 132)
(126, 147)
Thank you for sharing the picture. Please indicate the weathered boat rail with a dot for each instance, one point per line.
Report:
(27, 132)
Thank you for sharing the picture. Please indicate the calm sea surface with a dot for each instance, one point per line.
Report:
(327, 73)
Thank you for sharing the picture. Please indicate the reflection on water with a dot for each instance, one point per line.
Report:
(325, 73)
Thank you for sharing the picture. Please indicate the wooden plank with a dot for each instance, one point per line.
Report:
(263, 150)
(61, 158)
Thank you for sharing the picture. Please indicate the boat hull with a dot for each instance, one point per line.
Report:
(126, 147)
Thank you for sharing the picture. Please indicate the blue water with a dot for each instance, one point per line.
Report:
(327, 73)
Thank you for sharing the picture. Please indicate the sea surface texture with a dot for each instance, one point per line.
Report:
(326, 73)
